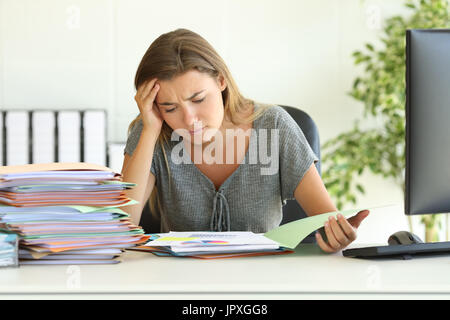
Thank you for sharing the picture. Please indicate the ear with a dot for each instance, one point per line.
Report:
(221, 82)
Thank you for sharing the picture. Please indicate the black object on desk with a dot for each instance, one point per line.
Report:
(427, 176)
(405, 251)
(403, 244)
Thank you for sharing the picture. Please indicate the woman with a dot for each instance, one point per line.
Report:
(197, 175)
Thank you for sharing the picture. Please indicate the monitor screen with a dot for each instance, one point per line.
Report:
(427, 175)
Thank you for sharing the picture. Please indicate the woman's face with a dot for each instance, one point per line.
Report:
(192, 105)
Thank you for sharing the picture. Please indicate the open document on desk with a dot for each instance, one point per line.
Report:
(212, 245)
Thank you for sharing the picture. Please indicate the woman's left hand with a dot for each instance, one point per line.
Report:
(341, 232)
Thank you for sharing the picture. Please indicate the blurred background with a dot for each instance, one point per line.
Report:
(82, 55)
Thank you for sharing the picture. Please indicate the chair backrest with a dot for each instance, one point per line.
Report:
(291, 210)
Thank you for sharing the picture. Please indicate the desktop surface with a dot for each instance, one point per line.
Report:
(306, 274)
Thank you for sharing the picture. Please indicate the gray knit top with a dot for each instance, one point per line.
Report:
(251, 198)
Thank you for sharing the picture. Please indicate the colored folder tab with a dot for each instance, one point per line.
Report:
(85, 209)
(289, 235)
(39, 167)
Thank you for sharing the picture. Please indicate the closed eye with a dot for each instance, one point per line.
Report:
(199, 101)
(196, 101)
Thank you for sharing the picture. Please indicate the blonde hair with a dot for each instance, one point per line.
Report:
(174, 53)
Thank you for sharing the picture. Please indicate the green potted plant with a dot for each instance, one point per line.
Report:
(381, 89)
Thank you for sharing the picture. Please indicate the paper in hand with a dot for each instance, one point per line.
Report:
(291, 234)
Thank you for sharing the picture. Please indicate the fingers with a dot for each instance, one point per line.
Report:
(148, 87)
(322, 244)
(145, 88)
(360, 216)
(347, 228)
(332, 241)
(340, 232)
(339, 235)
(151, 97)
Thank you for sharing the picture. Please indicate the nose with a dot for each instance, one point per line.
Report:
(190, 116)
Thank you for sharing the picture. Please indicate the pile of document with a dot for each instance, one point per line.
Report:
(211, 245)
(67, 213)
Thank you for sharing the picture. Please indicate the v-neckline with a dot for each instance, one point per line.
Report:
(230, 177)
(224, 184)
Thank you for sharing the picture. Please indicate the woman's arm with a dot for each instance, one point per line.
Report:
(136, 169)
(313, 197)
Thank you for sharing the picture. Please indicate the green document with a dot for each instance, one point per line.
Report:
(85, 209)
(289, 235)
(128, 185)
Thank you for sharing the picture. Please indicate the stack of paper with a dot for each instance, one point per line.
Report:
(67, 213)
(211, 245)
(61, 183)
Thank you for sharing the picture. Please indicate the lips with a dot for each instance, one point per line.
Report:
(196, 131)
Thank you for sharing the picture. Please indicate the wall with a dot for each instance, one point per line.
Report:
(84, 54)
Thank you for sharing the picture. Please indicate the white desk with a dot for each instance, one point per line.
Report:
(306, 274)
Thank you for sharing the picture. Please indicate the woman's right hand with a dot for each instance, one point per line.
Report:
(145, 99)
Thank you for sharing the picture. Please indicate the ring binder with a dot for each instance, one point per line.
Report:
(53, 136)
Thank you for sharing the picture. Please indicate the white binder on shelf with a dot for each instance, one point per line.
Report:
(115, 152)
(69, 123)
(94, 123)
(17, 149)
(1, 139)
(43, 137)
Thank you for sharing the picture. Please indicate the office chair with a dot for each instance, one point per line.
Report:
(291, 210)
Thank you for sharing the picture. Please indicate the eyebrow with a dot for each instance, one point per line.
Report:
(171, 103)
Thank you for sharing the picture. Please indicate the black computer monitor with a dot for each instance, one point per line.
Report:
(427, 187)
(427, 177)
